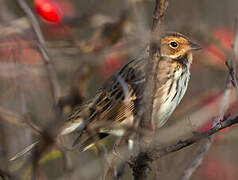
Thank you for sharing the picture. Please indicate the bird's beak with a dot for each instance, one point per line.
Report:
(194, 46)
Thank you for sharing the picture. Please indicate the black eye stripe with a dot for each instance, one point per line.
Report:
(173, 44)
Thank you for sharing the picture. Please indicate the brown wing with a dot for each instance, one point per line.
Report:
(119, 93)
(115, 102)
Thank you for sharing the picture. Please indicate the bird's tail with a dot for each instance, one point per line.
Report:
(68, 128)
(25, 151)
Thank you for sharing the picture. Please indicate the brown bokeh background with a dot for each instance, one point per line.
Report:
(85, 51)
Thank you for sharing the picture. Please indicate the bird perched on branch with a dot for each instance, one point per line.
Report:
(116, 104)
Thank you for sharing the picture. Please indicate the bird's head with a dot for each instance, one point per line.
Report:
(176, 45)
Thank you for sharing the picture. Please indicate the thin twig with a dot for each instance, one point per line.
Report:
(235, 43)
(155, 151)
(51, 131)
(232, 61)
(19, 120)
(198, 160)
(158, 14)
(42, 46)
(19, 83)
(225, 102)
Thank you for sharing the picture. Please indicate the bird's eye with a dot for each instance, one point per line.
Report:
(173, 44)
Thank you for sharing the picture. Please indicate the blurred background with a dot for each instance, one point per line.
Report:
(89, 40)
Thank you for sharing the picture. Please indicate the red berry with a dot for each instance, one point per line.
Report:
(48, 10)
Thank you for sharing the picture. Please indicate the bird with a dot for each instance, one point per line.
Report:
(116, 103)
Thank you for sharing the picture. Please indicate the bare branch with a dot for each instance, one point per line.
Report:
(18, 80)
(198, 160)
(145, 114)
(48, 135)
(152, 68)
(231, 64)
(235, 43)
(158, 14)
(225, 102)
(156, 152)
(19, 120)
(232, 61)
(42, 46)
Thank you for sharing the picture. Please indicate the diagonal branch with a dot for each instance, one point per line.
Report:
(51, 131)
(155, 152)
(18, 120)
(55, 88)
(231, 65)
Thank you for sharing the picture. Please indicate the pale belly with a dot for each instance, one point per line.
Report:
(164, 109)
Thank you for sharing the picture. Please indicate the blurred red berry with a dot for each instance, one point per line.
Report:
(112, 63)
(48, 10)
(214, 168)
(225, 37)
